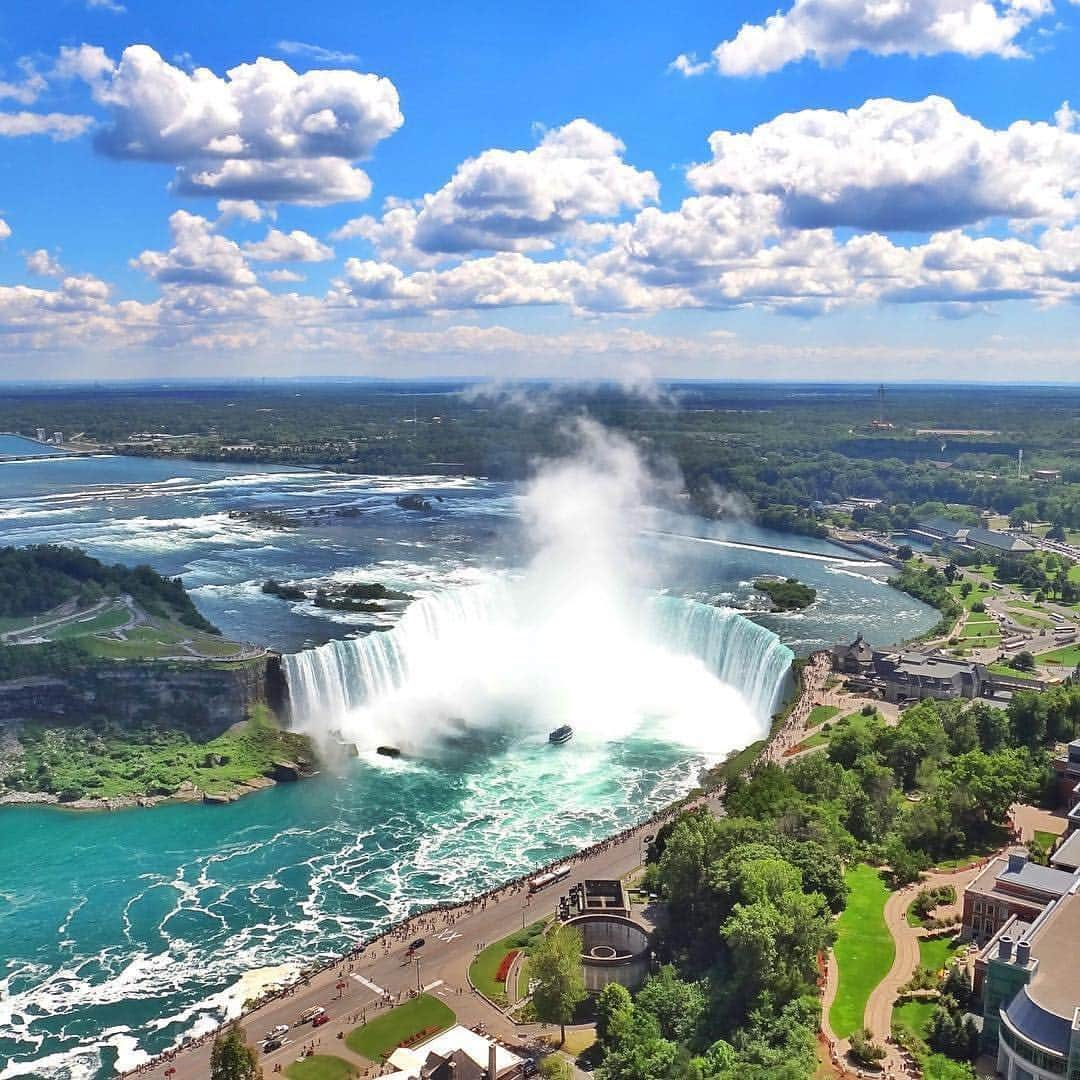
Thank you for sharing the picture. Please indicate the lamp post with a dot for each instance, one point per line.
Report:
(418, 986)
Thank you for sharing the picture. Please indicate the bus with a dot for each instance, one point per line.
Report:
(542, 881)
(1013, 643)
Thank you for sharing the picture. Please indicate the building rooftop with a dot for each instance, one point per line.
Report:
(1067, 857)
(1055, 944)
(942, 667)
(1000, 541)
(1044, 879)
(942, 525)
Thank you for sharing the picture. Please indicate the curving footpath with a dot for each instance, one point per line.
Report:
(879, 1007)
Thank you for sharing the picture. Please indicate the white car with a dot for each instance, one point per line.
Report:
(276, 1033)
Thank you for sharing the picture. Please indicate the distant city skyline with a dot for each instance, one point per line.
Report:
(831, 190)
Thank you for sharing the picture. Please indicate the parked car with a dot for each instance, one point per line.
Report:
(322, 1018)
(417, 944)
(277, 1032)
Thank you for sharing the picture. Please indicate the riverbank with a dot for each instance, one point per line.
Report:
(380, 970)
(82, 767)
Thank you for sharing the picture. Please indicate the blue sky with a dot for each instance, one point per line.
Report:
(892, 192)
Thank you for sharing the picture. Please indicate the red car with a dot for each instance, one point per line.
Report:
(321, 1019)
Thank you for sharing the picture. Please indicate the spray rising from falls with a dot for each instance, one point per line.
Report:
(579, 637)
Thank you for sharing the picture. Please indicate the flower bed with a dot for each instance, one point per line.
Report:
(507, 963)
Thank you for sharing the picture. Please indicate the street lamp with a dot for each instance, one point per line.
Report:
(418, 987)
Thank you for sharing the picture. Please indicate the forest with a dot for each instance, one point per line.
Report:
(776, 451)
(38, 578)
(751, 896)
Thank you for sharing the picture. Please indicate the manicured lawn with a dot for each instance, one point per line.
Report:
(864, 948)
(914, 1016)
(320, 1067)
(109, 619)
(383, 1035)
(820, 713)
(484, 968)
(1004, 669)
(1068, 656)
(820, 738)
(934, 953)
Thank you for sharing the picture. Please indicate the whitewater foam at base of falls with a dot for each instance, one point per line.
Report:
(472, 660)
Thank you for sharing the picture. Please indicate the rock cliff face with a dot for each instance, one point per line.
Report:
(203, 700)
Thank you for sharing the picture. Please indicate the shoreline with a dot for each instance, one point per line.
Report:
(186, 793)
(787, 718)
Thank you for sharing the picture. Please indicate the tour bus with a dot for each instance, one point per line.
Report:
(542, 881)
(1064, 628)
(1012, 643)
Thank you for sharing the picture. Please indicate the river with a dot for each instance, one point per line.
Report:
(122, 932)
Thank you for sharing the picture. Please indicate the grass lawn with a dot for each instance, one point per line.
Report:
(934, 953)
(320, 1067)
(383, 1035)
(820, 713)
(1004, 669)
(483, 969)
(157, 639)
(110, 619)
(864, 948)
(1068, 656)
(820, 738)
(914, 1016)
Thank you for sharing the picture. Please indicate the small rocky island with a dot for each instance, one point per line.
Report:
(359, 596)
(786, 594)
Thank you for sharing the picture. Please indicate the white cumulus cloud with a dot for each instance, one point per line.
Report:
(895, 165)
(44, 264)
(515, 200)
(295, 246)
(58, 126)
(198, 256)
(829, 31)
(261, 131)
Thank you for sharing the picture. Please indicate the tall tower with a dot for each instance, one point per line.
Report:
(1020, 464)
(881, 404)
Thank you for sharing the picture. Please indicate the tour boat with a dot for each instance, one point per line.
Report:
(388, 751)
(561, 735)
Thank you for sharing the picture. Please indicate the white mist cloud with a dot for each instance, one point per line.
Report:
(576, 638)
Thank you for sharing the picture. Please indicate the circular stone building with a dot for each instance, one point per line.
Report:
(614, 949)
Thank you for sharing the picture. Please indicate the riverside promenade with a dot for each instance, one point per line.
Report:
(381, 973)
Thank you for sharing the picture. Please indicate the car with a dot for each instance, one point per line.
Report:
(276, 1033)
(417, 944)
(322, 1018)
(271, 1045)
(530, 1068)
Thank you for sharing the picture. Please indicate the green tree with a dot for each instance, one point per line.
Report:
(677, 1005)
(555, 966)
(556, 1067)
(232, 1059)
(612, 1002)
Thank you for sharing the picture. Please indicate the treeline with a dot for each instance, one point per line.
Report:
(751, 896)
(37, 579)
(782, 448)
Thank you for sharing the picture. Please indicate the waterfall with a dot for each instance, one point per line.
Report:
(471, 657)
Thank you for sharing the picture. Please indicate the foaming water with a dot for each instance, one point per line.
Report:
(487, 661)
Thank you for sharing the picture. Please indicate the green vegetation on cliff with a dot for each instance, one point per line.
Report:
(104, 760)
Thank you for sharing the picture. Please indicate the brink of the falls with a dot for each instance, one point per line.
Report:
(483, 659)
